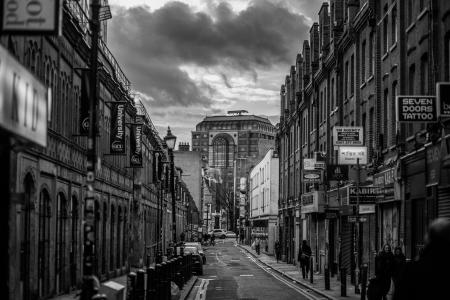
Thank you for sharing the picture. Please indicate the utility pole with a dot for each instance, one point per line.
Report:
(358, 233)
(90, 281)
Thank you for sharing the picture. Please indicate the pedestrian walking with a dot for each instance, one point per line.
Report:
(257, 246)
(384, 264)
(277, 250)
(399, 265)
(241, 236)
(427, 278)
(304, 255)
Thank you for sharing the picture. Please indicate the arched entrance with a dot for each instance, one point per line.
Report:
(60, 245)
(45, 213)
(74, 245)
(25, 243)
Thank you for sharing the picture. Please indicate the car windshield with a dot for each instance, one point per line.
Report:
(192, 250)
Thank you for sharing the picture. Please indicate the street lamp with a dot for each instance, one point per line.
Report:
(170, 140)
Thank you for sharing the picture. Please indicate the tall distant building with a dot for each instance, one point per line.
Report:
(226, 140)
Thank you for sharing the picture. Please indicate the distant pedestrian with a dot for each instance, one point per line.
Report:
(399, 265)
(241, 236)
(277, 250)
(304, 256)
(427, 278)
(182, 236)
(257, 246)
(384, 264)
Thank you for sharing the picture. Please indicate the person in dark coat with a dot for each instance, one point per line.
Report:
(277, 250)
(384, 264)
(373, 289)
(304, 255)
(427, 278)
(399, 265)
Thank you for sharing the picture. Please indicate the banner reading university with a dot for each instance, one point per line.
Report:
(84, 102)
(117, 132)
(136, 146)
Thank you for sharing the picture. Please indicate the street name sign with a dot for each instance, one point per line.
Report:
(23, 101)
(348, 136)
(31, 17)
(411, 109)
(443, 98)
(348, 155)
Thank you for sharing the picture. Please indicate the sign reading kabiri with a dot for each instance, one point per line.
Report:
(117, 132)
(31, 17)
(350, 155)
(23, 101)
(416, 109)
(136, 146)
(346, 136)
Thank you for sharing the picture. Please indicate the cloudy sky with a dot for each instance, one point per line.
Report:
(190, 58)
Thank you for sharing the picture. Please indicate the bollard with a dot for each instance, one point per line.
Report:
(364, 281)
(164, 281)
(140, 285)
(131, 284)
(151, 284)
(179, 273)
(311, 270)
(343, 282)
(148, 261)
(327, 278)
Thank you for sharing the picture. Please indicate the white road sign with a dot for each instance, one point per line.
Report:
(348, 136)
(349, 155)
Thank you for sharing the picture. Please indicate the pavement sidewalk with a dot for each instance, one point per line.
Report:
(293, 273)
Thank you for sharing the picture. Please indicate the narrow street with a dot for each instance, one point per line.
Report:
(230, 273)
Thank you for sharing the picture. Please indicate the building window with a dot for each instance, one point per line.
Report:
(352, 75)
(221, 152)
(385, 34)
(424, 74)
(60, 257)
(394, 26)
(372, 53)
(74, 244)
(346, 80)
(45, 213)
(410, 5)
(111, 241)
(332, 95)
(385, 113)
(392, 114)
(363, 61)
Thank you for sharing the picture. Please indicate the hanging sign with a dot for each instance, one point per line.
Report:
(117, 132)
(84, 103)
(433, 165)
(350, 155)
(31, 17)
(136, 146)
(23, 101)
(416, 109)
(312, 176)
(337, 172)
(443, 98)
(346, 136)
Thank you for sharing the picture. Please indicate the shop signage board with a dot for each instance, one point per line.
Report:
(413, 109)
(348, 136)
(337, 172)
(117, 130)
(367, 194)
(443, 98)
(312, 176)
(367, 209)
(31, 17)
(384, 178)
(23, 101)
(355, 219)
(313, 202)
(348, 155)
(309, 163)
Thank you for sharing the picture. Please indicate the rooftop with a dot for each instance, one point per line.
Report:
(237, 118)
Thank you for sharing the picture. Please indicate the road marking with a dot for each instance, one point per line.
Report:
(246, 275)
(213, 276)
(201, 292)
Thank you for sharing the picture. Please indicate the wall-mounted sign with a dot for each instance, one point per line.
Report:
(312, 176)
(367, 209)
(416, 109)
(31, 17)
(385, 178)
(443, 98)
(433, 155)
(348, 136)
(350, 155)
(117, 132)
(313, 202)
(308, 163)
(23, 101)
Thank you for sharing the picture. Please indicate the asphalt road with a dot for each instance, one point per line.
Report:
(231, 273)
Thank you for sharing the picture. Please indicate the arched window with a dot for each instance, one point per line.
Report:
(119, 235)
(125, 236)
(25, 241)
(111, 233)
(45, 214)
(222, 152)
(60, 254)
(104, 222)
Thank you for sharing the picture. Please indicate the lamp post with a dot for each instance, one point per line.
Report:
(170, 140)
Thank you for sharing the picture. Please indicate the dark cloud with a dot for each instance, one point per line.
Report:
(152, 45)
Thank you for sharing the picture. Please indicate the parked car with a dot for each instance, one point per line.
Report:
(199, 248)
(197, 259)
(220, 233)
(230, 234)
